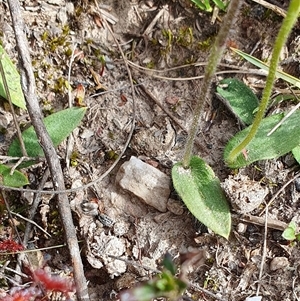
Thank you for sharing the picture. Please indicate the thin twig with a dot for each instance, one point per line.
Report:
(279, 192)
(207, 292)
(5, 267)
(70, 141)
(29, 90)
(73, 56)
(260, 221)
(264, 253)
(34, 250)
(5, 159)
(30, 221)
(16, 165)
(34, 206)
(272, 7)
(154, 73)
(293, 110)
(178, 122)
(293, 288)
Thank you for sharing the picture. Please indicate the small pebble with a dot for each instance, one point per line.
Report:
(241, 228)
(278, 263)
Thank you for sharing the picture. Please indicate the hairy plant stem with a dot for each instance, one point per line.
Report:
(286, 27)
(213, 61)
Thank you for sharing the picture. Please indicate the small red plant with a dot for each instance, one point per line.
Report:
(53, 283)
(26, 294)
(10, 245)
(44, 280)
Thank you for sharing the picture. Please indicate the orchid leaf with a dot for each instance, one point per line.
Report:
(201, 192)
(296, 153)
(13, 81)
(17, 179)
(264, 147)
(59, 126)
(239, 98)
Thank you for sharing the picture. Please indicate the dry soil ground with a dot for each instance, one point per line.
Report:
(155, 36)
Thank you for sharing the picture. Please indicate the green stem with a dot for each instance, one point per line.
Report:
(214, 58)
(286, 27)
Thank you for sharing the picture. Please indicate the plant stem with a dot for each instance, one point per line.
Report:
(286, 27)
(214, 59)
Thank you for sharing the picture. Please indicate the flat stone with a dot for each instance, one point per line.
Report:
(146, 182)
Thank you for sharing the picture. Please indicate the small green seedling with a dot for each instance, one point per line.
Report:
(205, 5)
(290, 233)
(165, 285)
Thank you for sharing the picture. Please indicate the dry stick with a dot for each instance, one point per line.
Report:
(279, 192)
(260, 221)
(70, 138)
(34, 206)
(264, 253)
(29, 89)
(7, 92)
(274, 8)
(293, 288)
(30, 222)
(22, 257)
(196, 286)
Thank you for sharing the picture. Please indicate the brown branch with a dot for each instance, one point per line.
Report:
(29, 89)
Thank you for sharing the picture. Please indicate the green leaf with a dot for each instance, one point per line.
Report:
(258, 63)
(59, 126)
(202, 5)
(296, 153)
(263, 147)
(169, 264)
(13, 81)
(17, 179)
(201, 192)
(239, 98)
(220, 4)
(290, 231)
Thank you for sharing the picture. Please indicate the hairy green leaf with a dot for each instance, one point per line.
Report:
(59, 126)
(263, 147)
(239, 98)
(201, 192)
(13, 81)
(17, 179)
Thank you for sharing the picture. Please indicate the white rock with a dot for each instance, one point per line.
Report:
(146, 182)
